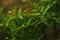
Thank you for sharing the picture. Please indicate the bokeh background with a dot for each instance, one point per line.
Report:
(29, 19)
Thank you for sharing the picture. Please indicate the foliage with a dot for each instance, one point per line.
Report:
(40, 24)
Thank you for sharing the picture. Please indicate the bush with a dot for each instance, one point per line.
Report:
(42, 23)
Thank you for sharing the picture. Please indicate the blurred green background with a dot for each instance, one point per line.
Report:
(30, 20)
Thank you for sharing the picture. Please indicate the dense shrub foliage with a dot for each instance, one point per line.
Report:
(31, 20)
